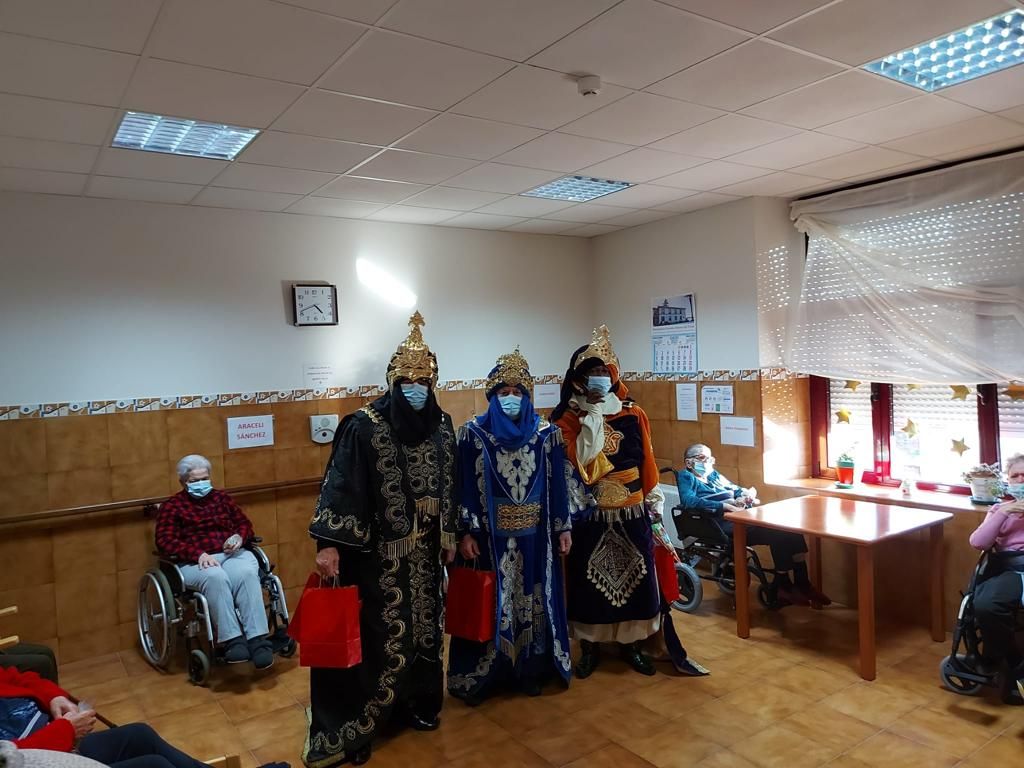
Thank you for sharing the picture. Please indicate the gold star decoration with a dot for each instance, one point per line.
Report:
(842, 416)
(960, 446)
(910, 429)
(852, 384)
(912, 387)
(1015, 391)
(960, 392)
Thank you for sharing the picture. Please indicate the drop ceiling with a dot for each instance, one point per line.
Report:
(443, 111)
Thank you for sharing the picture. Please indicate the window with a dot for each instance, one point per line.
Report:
(1011, 421)
(850, 422)
(934, 433)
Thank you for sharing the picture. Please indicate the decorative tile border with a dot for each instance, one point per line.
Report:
(144, 404)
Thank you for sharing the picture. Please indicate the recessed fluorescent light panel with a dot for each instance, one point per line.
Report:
(578, 189)
(178, 136)
(963, 55)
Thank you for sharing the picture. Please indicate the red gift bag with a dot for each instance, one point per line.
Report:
(665, 565)
(471, 608)
(326, 625)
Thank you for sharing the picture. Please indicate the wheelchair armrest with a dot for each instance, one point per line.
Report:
(253, 541)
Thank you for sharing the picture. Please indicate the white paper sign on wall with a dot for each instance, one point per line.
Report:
(546, 395)
(250, 431)
(716, 399)
(738, 430)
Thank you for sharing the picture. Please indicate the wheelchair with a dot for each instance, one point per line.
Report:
(167, 610)
(959, 671)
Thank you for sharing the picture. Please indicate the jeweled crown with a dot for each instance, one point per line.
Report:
(413, 359)
(511, 370)
(600, 347)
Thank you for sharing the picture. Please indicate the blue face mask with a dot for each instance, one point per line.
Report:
(199, 488)
(416, 395)
(699, 467)
(511, 405)
(1016, 490)
(601, 385)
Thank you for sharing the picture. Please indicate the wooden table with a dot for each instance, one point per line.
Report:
(863, 524)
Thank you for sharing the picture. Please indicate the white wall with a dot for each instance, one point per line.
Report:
(710, 253)
(110, 299)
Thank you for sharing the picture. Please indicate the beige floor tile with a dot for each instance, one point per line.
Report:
(672, 746)
(282, 724)
(875, 703)
(163, 694)
(100, 669)
(726, 759)
(809, 681)
(938, 730)
(779, 747)
(827, 725)
(201, 731)
(887, 749)
(1003, 751)
(458, 735)
(674, 696)
(611, 756)
(564, 740)
(767, 703)
(724, 724)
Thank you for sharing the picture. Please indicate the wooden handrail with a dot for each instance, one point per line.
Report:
(147, 505)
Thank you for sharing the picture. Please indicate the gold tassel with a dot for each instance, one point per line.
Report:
(449, 540)
(612, 515)
(512, 650)
(428, 506)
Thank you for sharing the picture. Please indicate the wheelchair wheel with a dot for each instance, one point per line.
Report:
(766, 596)
(955, 683)
(725, 578)
(198, 667)
(691, 591)
(157, 614)
(288, 650)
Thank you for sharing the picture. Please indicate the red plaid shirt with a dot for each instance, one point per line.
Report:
(188, 527)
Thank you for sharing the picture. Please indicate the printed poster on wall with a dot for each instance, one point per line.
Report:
(674, 334)
(716, 399)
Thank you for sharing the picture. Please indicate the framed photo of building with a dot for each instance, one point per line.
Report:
(674, 334)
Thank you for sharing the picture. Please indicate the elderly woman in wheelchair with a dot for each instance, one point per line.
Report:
(212, 570)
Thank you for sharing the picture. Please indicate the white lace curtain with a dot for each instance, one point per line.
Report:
(918, 280)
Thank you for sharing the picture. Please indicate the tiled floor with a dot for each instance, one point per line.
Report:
(788, 697)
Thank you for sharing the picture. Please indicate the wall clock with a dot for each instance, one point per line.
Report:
(315, 304)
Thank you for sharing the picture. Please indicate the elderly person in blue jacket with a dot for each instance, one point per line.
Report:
(702, 488)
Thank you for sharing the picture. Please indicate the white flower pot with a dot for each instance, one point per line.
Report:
(985, 488)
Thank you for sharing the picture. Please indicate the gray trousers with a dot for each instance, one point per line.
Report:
(234, 594)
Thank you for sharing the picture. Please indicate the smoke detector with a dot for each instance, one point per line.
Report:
(589, 85)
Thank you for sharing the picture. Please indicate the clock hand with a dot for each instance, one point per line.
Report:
(318, 309)
(301, 311)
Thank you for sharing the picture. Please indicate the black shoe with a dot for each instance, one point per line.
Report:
(472, 699)
(424, 723)
(261, 652)
(590, 657)
(276, 765)
(641, 662)
(531, 686)
(236, 651)
(361, 755)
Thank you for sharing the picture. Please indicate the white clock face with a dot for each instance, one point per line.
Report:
(314, 304)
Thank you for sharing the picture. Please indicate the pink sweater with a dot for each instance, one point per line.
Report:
(1004, 531)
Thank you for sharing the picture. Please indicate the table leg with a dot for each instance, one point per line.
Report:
(739, 539)
(866, 610)
(814, 560)
(938, 624)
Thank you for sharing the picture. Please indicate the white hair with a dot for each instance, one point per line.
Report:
(693, 450)
(190, 462)
(1017, 458)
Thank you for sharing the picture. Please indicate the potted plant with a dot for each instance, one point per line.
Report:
(845, 466)
(986, 481)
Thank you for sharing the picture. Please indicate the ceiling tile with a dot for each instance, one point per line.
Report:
(511, 30)
(535, 97)
(586, 213)
(167, 88)
(219, 197)
(795, 150)
(636, 43)
(992, 93)
(49, 182)
(865, 30)
(542, 226)
(712, 175)
(641, 118)
(635, 218)
(725, 135)
(856, 163)
(135, 164)
(290, 150)
(640, 165)
(482, 221)
(54, 120)
(903, 119)
(410, 214)
(753, 15)
(141, 189)
(253, 37)
(370, 190)
(366, 11)
(1017, 113)
(34, 67)
(745, 75)
(330, 206)
(461, 136)
(1013, 143)
(828, 101)
(592, 230)
(47, 155)
(561, 152)
(643, 196)
(394, 67)
(400, 165)
(336, 116)
(873, 175)
(510, 179)
(959, 136)
(454, 199)
(530, 207)
(117, 25)
(696, 202)
(267, 178)
(773, 185)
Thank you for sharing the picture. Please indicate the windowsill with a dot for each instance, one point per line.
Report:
(943, 502)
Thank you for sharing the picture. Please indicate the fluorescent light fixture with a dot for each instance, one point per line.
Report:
(384, 284)
(179, 136)
(980, 49)
(578, 189)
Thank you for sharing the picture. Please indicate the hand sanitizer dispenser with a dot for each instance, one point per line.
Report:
(322, 428)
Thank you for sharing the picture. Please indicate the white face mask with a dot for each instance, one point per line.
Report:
(511, 405)
(1016, 490)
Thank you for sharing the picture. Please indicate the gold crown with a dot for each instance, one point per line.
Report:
(413, 359)
(511, 370)
(600, 347)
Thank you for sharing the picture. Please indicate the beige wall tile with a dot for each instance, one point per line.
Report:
(36, 618)
(84, 550)
(134, 542)
(196, 430)
(659, 400)
(24, 495)
(297, 463)
(137, 437)
(22, 447)
(291, 423)
(87, 645)
(128, 594)
(261, 509)
(27, 556)
(143, 480)
(76, 442)
(248, 466)
(79, 487)
(294, 511)
(295, 562)
(87, 604)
